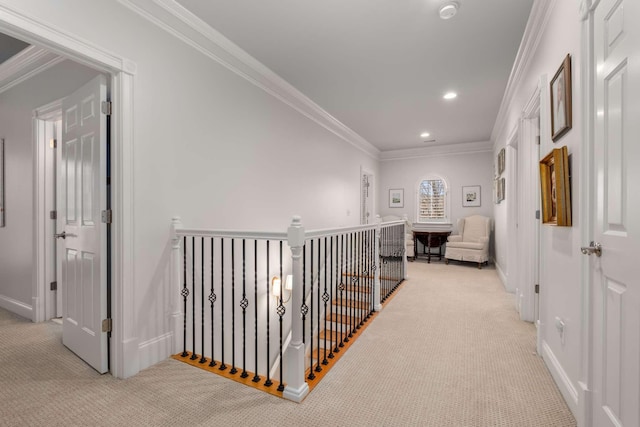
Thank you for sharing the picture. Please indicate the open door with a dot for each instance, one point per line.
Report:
(613, 263)
(81, 233)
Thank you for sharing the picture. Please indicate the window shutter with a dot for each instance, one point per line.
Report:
(432, 200)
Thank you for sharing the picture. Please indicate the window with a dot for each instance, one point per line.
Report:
(432, 200)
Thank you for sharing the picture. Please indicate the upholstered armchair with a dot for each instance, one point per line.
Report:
(472, 241)
(408, 237)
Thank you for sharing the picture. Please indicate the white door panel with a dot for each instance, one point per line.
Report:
(82, 197)
(616, 288)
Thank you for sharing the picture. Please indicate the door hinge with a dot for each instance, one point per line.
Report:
(538, 214)
(538, 140)
(107, 216)
(53, 143)
(53, 214)
(53, 286)
(537, 289)
(105, 107)
(107, 324)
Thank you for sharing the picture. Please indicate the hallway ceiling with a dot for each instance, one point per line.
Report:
(381, 67)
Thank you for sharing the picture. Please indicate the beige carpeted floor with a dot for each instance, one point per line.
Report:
(448, 350)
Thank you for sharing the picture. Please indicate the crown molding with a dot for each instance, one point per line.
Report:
(438, 151)
(26, 64)
(181, 23)
(533, 32)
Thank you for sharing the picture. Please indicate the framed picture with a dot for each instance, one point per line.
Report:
(561, 100)
(2, 207)
(501, 162)
(396, 198)
(501, 189)
(471, 196)
(556, 188)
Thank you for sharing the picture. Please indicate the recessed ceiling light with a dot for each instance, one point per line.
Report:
(448, 10)
(425, 135)
(450, 95)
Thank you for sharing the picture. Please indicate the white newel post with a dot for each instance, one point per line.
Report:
(376, 281)
(405, 262)
(176, 299)
(296, 387)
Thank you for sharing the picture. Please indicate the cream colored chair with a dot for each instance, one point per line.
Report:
(408, 237)
(472, 241)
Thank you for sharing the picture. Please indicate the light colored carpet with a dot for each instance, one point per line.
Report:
(447, 350)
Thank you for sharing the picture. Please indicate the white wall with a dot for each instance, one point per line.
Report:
(458, 170)
(16, 127)
(208, 146)
(560, 287)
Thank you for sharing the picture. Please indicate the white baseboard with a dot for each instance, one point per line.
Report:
(17, 307)
(566, 387)
(501, 275)
(155, 350)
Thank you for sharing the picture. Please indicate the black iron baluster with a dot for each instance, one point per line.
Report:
(348, 278)
(333, 293)
(222, 364)
(304, 309)
(281, 312)
(336, 285)
(244, 303)
(256, 377)
(268, 381)
(202, 358)
(354, 281)
(342, 288)
(318, 368)
(311, 375)
(212, 299)
(194, 356)
(361, 280)
(233, 308)
(185, 295)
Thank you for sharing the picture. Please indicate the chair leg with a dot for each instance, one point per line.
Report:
(446, 261)
(479, 266)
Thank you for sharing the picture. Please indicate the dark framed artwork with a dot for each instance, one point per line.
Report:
(501, 162)
(561, 100)
(556, 188)
(396, 198)
(471, 196)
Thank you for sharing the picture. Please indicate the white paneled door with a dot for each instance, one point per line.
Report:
(616, 273)
(82, 236)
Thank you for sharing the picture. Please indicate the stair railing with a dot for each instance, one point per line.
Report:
(228, 314)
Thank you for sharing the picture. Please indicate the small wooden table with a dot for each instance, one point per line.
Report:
(430, 239)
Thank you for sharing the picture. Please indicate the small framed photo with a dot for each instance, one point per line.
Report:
(471, 196)
(561, 100)
(501, 162)
(396, 198)
(556, 188)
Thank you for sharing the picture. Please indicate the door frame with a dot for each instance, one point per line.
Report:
(124, 342)
(372, 194)
(41, 301)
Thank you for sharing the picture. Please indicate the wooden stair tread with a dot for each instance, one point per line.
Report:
(347, 320)
(352, 303)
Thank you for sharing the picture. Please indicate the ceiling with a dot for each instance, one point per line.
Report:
(381, 67)
(10, 46)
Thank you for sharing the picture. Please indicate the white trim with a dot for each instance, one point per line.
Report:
(532, 35)
(184, 25)
(156, 349)
(124, 347)
(501, 274)
(48, 112)
(24, 65)
(437, 151)
(561, 378)
(17, 307)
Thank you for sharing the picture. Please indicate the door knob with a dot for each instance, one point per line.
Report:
(593, 248)
(63, 235)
